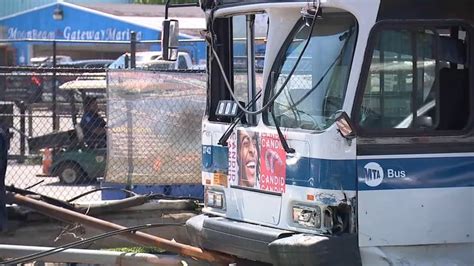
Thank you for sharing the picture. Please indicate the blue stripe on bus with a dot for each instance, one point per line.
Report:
(321, 173)
(305, 172)
(404, 173)
(401, 173)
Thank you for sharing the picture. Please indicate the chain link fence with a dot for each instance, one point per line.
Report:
(155, 127)
(146, 129)
(41, 120)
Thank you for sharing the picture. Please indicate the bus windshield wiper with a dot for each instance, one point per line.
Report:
(245, 110)
(283, 141)
(223, 140)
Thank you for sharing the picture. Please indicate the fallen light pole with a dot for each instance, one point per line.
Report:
(92, 256)
(137, 237)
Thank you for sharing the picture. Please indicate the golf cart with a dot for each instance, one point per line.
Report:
(66, 154)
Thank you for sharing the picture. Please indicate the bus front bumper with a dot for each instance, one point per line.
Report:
(270, 245)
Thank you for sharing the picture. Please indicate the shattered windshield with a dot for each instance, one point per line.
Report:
(317, 87)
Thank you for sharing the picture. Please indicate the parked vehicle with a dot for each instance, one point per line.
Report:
(96, 83)
(19, 86)
(144, 60)
(152, 60)
(356, 143)
(89, 63)
(47, 61)
(36, 85)
(66, 154)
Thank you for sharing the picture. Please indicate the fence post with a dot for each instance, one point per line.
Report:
(133, 49)
(55, 115)
(131, 165)
(22, 132)
(30, 120)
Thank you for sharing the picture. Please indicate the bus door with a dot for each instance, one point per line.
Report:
(415, 149)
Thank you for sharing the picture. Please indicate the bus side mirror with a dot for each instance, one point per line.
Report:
(344, 126)
(169, 40)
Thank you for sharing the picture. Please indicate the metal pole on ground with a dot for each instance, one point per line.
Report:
(91, 256)
(137, 237)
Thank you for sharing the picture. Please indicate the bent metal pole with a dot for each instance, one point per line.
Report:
(137, 237)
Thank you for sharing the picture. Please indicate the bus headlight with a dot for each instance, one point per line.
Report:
(215, 199)
(307, 216)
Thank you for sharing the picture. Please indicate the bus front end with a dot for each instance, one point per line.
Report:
(279, 178)
(339, 132)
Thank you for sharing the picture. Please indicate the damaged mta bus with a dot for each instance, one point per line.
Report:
(339, 132)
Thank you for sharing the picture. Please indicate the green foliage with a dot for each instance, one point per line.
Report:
(162, 2)
(149, 250)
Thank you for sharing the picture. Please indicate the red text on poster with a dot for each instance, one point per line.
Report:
(273, 164)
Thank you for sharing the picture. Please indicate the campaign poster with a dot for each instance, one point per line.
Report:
(257, 160)
(233, 169)
(273, 168)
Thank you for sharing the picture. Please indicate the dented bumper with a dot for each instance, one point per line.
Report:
(265, 244)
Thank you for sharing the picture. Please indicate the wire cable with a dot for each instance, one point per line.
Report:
(290, 74)
(150, 196)
(339, 56)
(34, 185)
(223, 139)
(100, 189)
(41, 254)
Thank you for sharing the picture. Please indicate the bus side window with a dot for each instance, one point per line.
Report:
(454, 99)
(418, 80)
(234, 37)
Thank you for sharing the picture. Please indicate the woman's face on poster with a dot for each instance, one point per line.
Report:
(248, 158)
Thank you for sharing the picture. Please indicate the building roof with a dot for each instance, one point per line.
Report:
(155, 22)
(140, 10)
(191, 19)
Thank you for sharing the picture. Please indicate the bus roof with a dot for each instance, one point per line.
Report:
(398, 9)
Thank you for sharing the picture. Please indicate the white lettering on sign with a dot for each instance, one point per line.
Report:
(15, 33)
(391, 173)
(109, 34)
(69, 33)
(374, 174)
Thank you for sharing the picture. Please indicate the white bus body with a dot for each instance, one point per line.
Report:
(400, 191)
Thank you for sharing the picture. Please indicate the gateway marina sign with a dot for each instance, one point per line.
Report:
(70, 33)
(108, 34)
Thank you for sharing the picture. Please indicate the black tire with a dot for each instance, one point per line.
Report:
(70, 173)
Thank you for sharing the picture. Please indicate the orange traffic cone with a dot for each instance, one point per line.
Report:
(47, 160)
